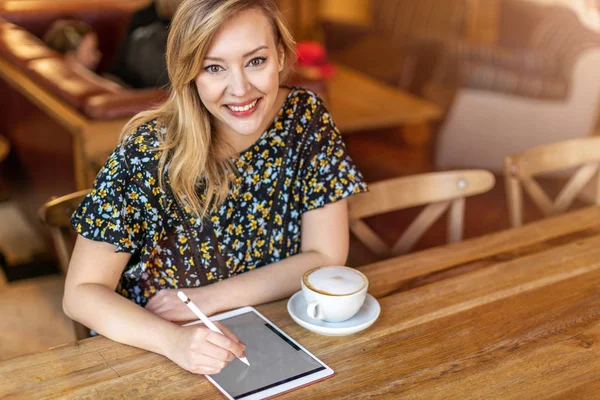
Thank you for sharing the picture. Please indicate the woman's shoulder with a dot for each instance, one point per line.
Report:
(314, 119)
(304, 98)
(133, 165)
(139, 150)
(144, 140)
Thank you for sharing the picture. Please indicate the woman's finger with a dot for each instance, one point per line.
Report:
(227, 332)
(216, 352)
(203, 361)
(226, 343)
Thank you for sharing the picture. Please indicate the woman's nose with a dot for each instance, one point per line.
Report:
(238, 83)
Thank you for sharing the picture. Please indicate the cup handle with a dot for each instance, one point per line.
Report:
(315, 311)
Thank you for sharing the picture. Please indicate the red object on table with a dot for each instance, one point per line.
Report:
(312, 60)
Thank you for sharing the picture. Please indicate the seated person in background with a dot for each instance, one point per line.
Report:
(140, 61)
(78, 42)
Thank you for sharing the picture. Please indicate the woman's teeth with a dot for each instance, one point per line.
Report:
(245, 108)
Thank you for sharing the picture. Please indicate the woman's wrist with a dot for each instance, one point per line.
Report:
(169, 338)
(206, 298)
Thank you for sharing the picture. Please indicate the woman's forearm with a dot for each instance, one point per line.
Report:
(262, 285)
(117, 318)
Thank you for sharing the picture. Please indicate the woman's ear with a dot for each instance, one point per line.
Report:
(281, 56)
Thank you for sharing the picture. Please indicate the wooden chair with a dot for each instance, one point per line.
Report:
(521, 169)
(440, 191)
(56, 214)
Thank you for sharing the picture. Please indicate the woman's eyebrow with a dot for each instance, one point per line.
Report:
(244, 56)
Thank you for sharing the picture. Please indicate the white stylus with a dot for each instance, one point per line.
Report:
(209, 324)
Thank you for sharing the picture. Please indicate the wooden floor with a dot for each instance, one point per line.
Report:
(31, 309)
(32, 316)
(18, 241)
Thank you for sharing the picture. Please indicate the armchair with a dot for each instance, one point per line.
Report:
(539, 84)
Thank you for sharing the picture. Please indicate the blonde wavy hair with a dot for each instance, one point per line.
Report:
(197, 159)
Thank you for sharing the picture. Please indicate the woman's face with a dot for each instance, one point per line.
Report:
(87, 53)
(239, 83)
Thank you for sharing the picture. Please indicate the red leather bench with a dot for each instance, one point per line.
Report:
(61, 125)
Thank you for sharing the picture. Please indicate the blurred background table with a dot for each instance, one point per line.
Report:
(360, 103)
(388, 132)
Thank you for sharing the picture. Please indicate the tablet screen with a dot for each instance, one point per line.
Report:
(273, 358)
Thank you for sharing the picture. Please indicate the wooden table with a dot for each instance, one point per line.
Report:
(387, 131)
(360, 103)
(511, 315)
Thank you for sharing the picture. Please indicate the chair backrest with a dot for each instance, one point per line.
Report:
(520, 171)
(440, 191)
(56, 214)
(4, 148)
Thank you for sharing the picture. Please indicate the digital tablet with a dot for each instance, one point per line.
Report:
(277, 363)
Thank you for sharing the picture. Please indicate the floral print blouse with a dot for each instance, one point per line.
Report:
(298, 164)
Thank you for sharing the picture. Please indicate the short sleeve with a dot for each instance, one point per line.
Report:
(114, 210)
(329, 174)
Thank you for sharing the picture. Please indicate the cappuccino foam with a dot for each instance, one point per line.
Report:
(335, 280)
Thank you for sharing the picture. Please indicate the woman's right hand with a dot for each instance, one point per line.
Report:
(202, 351)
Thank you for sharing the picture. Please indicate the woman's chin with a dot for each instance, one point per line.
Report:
(247, 126)
(246, 131)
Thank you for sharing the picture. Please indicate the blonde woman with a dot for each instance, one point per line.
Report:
(232, 189)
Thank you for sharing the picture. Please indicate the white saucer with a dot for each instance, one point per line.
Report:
(368, 313)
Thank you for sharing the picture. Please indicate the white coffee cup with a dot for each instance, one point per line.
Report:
(334, 294)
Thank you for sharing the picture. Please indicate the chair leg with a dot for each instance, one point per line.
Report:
(515, 205)
(455, 220)
(514, 196)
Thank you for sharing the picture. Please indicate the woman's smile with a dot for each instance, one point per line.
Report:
(243, 109)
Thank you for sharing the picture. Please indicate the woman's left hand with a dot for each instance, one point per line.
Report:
(167, 305)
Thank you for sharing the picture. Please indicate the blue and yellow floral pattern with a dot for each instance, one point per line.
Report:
(297, 165)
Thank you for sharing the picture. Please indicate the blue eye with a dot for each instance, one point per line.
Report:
(257, 61)
(213, 69)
